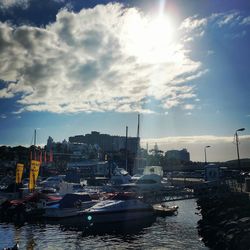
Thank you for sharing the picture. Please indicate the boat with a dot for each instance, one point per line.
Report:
(30, 207)
(164, 210)
(146, 183)
(121, 208)
(136, 177)
(119, 176)
(10, 192)
(150, 180)
(70, 205)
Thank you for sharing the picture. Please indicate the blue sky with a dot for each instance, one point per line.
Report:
(70, 67)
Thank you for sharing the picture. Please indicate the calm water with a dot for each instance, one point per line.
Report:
(174, 232)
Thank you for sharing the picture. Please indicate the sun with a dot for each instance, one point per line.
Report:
(150, 39)
(160, 38)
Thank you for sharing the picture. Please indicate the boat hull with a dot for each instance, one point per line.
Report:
(116, 216)
(162, 210)
(60, 213)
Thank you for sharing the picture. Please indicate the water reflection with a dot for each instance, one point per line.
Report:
(175, 232)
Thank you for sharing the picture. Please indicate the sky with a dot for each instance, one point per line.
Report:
(69, 67)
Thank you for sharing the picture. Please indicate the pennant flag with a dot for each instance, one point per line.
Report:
(34, 171)
(19, 172)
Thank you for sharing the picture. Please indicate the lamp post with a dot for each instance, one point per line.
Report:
(237, 145)
(205, 152)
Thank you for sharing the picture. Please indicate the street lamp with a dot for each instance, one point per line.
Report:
(205, 152)
(237, 145)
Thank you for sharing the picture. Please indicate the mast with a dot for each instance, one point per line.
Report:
(138, 149)
(35, 144)
(126, 149)
(35, 137)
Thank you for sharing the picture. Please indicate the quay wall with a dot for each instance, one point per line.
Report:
(225, 222)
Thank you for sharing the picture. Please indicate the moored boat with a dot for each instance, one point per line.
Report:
(30, 207)
(164, 210)
(70, 205)
(119, 209)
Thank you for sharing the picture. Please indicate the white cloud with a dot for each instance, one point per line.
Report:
(3, 116)
(5, 4)
(237, 35)
(222, 147)
(210, 52)
(195, 26)
(100, 59)
(246, 21)
(193, 23)
(24, 4)
(188, 106)
(226, 19)
(205, 139)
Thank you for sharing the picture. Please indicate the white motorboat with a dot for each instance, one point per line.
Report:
(119, 209)
(151, 181)
(70, 205)
(146, 183)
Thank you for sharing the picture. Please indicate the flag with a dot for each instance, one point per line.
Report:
(34, 171)
(19, 172)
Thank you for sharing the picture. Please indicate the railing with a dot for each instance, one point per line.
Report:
(167, 196)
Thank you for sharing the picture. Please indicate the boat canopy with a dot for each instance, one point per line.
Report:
(69, 200)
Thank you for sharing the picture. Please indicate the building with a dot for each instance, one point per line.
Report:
(107, 143)
(182, 155)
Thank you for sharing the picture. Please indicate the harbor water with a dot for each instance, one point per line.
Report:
(171, 232)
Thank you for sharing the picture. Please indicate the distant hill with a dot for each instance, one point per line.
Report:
(246, 160)
(245, 164)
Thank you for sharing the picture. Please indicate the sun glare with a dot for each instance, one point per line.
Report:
(150, 39)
